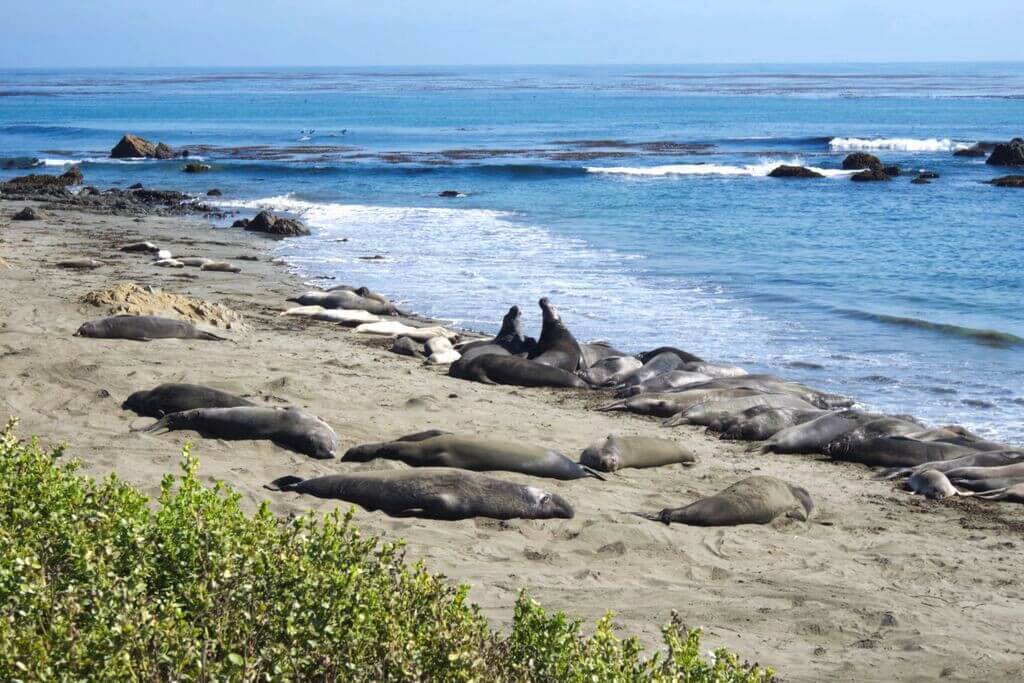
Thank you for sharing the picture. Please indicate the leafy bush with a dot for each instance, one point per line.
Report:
(97, 581)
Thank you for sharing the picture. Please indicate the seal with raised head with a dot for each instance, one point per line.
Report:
(754, 500)
(433, 493)
(143, 328)
(174, 398)
(291, 428)
(513, 370)
(473, 453)
(684, 356)
(556, 346)
(932, 484)
(509, 341)
(617, 452)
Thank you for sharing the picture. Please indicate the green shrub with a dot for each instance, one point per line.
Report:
(98, 582)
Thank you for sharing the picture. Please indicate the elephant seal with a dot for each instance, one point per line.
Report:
(754, 500)
(509, 340)
(592, 352)
(609, 370)
(81, 264)
(655, 366)
(513, 370)
(364, 292)
(987, 478)
(932, 484)
(761, 422)
(556, 346)
(714, 369)
(334, 315)
(433, 493)
(291, 428)
(664, 383)
(815, 435)
(168, 263)
(441, 352)
(143, 328)
(980, 459)
(407, 346)
(684, 356)
(1011, 494)
(473, 453)
(195, 261)
(141, 247)
(617, 452)
(770, 384)
(667, 405)
(706, 412)
(347, 300)
(174, 398)
(221, 267)
(892, 451)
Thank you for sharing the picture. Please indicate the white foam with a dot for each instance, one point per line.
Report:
(108, 160)
(758, 170)
(894, 144)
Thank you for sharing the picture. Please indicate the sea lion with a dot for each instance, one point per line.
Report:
(494, 369)
(592, 352)
(221, 267)
(617, 452)
(290, 427)
(473, 453)
(754, 500)
(980, 459)
(81, 264)
(174, 398)
(932, 484)
(664, 383)
(141, 247)
(706, 412)
(334, 315)
(345, 299)
(1011, 494)
(684, 356)
(761, 422)
(508, 341)
(987, 478)
(441, 352)
(892, 451)
(815, 435)
(433, 493)
(667, 405)
(610, 370)
(143, 328)
(556, 346)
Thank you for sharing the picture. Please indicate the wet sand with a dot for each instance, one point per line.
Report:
(880, 585)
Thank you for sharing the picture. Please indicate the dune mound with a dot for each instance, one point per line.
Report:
(129, 298)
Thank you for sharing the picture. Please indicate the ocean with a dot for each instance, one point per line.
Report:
(635, 197)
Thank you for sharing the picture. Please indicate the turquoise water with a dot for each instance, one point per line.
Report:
(635, 197)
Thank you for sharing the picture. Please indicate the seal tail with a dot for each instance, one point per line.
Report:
(614, 405)
(161, 424)
(286, 483)
(662, 516)
(591, 472)
(210, 336)
(675, 421)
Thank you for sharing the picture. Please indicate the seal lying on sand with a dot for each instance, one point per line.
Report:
(492, 369)
(174, 398)
(508, 342)
(617, 452)
(666, 382)
(706, 412)
(143, 328)
(81, 264)
(754, 500)
(932, 484)
(334, 315)
(291, 428)
(345, 299)
(684, 356)
(652, 367)
(609, 370)
(893, 451)
(813, 436)
(761, 422)
(473, 453)
(1011, 494)
(556, 346)
(987, 478)
(668, 405)
(981, 459)
(433, 493)
(596, 351)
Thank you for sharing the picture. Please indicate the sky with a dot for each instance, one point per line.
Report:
(153, 33)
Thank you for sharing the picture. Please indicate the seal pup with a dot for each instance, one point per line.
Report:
(143, 328)
(556, 346)
(221, 267)
(174, 398)
(513, 370)
(406, 346)
(754, 500)
(334, 315)
(617, 452)
(684, 356)
(610, 370)
(291, 428)
(364, 292)
(433, 493)
(81, 264)
(509, 340)
(932, 484)
(706, 412)
(473, 453)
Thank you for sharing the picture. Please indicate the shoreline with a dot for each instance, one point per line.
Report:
(863, 591)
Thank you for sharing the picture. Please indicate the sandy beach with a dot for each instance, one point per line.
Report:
(878, 585)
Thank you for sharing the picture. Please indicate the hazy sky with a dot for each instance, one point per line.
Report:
(387, 32)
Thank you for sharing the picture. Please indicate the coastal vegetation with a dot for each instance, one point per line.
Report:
(97, 580)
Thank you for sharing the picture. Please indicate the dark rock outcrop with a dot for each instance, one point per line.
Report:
(920, 180)
(928, 175)
(18, 163)
(213, 193)
(27, 214)
(42, 183)
(136, 186)
(451, 194)
(785, 171)
(275, 226)
(975, 150)
(891, 171)
(1008, 181)
(134, 147)
(869, 175)
(163, 151)
(1010, 154)
(859, 160)
(196, 168)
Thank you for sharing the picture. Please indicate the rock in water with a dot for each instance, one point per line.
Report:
(27, 214)
(41, 183)
(162, 151)
(920, 180)
(975, 150)
(1010, 154)
(1008, 181)
(132, 146)
(785, 171)
(449, 193)
(891, 171)
(869, 175)
(213, 193)
(859, 160)
(269, 224)
(928, 175)
(196, 168)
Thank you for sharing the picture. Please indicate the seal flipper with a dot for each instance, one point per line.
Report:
(286, 483)
(893, 473)
(162, 423)
(208, 336)
(423, 436)
(591, 472)
(994, 494)
(614, 405)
